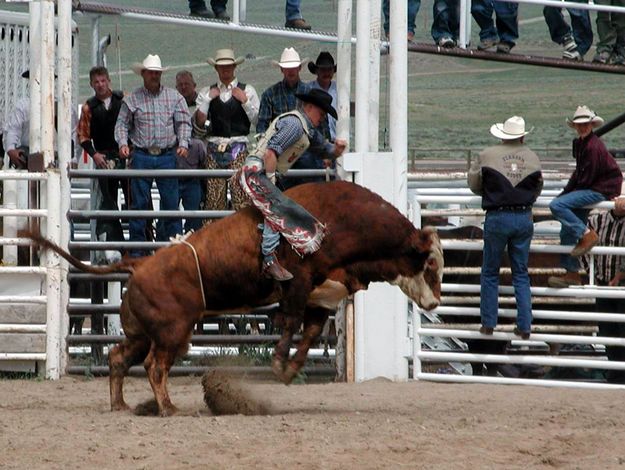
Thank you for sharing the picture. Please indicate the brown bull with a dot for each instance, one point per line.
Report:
(368, 241)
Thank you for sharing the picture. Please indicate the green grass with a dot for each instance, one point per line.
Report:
(452, 101)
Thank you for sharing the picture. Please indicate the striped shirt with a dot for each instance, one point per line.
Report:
(289, 130)
(276, 100)
(161, 120)
(611, 231)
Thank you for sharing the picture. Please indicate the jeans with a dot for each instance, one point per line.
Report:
(270, 240)
(446, 20)
(413, 9)
(514, 230)
(190, 192)
(506, 27)
(611, 28)
(292, 10)
(217, 5)
(568, 210)
(559, 28)
(140, 196)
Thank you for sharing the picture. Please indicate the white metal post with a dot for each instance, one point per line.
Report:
(242, 10)
(362, 77)
(374, 74)
(465, 24)
(65, 155)
(236, 8)
(343, 73)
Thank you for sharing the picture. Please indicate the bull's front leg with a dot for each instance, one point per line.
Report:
(281, 353)
(314, 320)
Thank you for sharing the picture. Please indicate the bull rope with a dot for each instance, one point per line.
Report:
(182, 239)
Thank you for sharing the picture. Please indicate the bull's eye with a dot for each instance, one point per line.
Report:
(432, 264)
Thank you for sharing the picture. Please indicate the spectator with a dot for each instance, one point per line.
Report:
(280, 97)
(16, 135)
(509, 179)
(501, 34)
(610, 271)
(232, 108)
(190, 189)
(413, 9)
(96, 135)
(597, 177)
(576, 39)
(286, 139)
(446, 22)
(198, 8)
(611, 31)
(324, 68)
(155, 120)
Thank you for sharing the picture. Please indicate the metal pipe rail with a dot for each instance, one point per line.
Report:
(582, 291)
(22, 328)
(23, 212)
(436, 356)
(200, 339)
(449, 244)
(176, 371)
(116, 245)
(146, 214)
(21, 175)
(537, 314)
(105, 309)
(461, 300)
(182, 174)
(450, 378)
(23, 299)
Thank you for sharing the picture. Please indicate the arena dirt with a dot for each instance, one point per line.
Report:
(377, 424)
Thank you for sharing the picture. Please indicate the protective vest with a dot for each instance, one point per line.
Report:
(287, 158)
(103, 121)
(228, 119)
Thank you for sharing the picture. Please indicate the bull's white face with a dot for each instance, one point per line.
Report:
(425, 287)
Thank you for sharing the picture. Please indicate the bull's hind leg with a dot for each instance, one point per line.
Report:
(314, 320)
(129, 352)
(281, 352)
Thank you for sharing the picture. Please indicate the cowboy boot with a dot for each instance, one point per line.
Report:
(273, 269)
(585, 243)
(569, 279)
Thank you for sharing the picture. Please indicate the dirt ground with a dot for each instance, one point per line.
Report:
(372, 425)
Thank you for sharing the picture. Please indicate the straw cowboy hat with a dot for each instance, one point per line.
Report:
(225, 57)
(289, 59)
(324, 60)
(320, 99)
(151, 62)
(513, 128)
(583, 115)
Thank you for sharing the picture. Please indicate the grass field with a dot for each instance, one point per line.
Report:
(452, 102)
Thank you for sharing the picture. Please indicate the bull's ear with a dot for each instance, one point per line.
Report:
(422, 240)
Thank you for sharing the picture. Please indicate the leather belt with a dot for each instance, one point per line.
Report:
(154, 150)
(514, 208)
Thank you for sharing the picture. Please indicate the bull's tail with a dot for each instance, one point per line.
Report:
(126, 265)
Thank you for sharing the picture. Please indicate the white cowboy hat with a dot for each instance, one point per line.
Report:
(513, 128)
(289, 59)
(151, 62)
(225, 57)
(582, 115)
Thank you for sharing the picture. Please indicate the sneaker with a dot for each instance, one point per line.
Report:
(584, 245)
(570, 49)
(618, 59)
(410, 38)
(299, 23)
(504, 47)
(569, 279)
(447, 42)
(202, 12)
(487, 45)
(602, 57)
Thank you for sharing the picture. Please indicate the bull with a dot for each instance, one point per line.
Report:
(368, 240)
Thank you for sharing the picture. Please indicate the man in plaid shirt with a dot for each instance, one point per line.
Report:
(155, 120)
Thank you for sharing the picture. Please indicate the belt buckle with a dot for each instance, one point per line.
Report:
(154, 150)
(222, 147)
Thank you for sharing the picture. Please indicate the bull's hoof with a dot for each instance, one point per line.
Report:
(289, 374)
(120, 406)
(168, 411)
(277, 367)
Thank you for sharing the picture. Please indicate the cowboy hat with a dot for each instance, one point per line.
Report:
(319, 98)
(151, 62)
(289, 59)
(583, 115)
(324, 60)
(513, 128)
(225, 57)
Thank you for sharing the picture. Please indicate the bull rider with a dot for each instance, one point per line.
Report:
(286, 139)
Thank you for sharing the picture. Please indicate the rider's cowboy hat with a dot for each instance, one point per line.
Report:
(324, 60)
(319, 98)
(583, 115)
(225, 57)
(151, 62)
(289, 59)
(513, 128)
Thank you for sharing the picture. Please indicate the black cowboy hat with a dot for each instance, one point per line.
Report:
(26, 74)
(324, 59)
(319, 98)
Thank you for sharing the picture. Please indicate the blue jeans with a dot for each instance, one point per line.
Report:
(217, 5)
(292, 10)
(512, 229)
(568, 210)
(270, 240)
(559, 28)
(413, 9)
(446, 20)
(506, 27)
(140, 196)
(190, 192)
